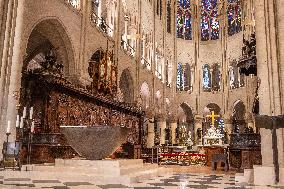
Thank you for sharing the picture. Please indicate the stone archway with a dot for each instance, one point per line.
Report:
(46, 35)
(126, 86)
(213, 107)
(238, 116)
(207, 121)
(186, 119)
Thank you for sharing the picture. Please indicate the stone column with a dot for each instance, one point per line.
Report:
(279, 27)
(173, 126)
(162, 125)
(269, 90)
(15, 70)
(151, 133)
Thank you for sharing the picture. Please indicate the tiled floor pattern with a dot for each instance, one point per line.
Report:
(178, 180)
(184, 177)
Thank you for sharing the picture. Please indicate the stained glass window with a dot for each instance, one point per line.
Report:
(187, 77)
(234, 12)
(234, 77)
(168, 74)
(216, 78)
(180, 83)
(74, 3)
(206, 78)
(159, 8)
(209, 21)
(184, 29)
(169, 17)
(95, 6)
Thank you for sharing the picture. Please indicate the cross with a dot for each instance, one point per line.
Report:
(213, 117)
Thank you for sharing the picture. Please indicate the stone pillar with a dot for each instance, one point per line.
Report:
(267, 51)
(15, 63)
(11, 64)
(151, 134)
(162, 125)
(173, 132)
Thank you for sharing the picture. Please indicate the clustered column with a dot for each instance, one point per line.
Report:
(162, 125)
(151, 133)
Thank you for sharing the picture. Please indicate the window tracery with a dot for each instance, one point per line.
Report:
(169, 17)
(236, 79)
(206, 78)
(104, 20)
(146, 51)
(234, 13)
(184, 77)
(184, 25)
(209, 20)
(180, 84)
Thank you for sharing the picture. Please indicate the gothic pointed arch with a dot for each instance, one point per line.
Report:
(185, 121)
(238, 116)
(50, 36)
(126, 86)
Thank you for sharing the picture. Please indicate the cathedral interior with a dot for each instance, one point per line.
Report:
(141, 94)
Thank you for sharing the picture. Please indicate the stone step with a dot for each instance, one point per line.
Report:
(106, 172)
(98, 163)
(244, 178)
(92, 170)
(133, 169)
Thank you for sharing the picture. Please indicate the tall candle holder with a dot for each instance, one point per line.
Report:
(29, 126)
(24, 133)
(7, 140)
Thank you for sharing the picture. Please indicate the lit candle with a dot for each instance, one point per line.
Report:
(33, 127)
(18, 121)
(8, 127)
(22, 123)
(25, 112)
(31, 112)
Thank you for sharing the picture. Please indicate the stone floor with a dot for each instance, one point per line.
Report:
(198, 177)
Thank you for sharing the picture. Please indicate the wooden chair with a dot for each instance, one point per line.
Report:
(11, 155)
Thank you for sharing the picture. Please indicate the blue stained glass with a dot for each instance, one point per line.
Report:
(209, 20)
(234, 14)
(180, 79)
(184, 26)
(206, 77)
